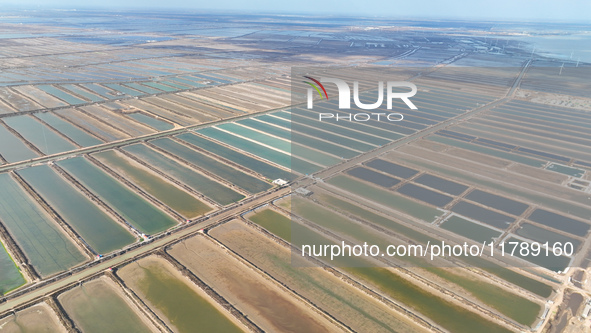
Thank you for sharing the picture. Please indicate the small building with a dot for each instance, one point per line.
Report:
(280, 182)
(586, 310)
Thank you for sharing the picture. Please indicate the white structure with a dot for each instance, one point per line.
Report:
(280, 182)
(586, 311)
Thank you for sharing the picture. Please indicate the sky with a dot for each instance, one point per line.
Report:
(519, 10)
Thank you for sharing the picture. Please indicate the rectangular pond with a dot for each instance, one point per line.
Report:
(179, 200)
(133, 208)
(373, 177)
(489, 294)
(182, 306)
(100, 90)
(243, 180)
(74, 133)
(70, 99)
(574, 172)
(256, 297)
(274, 156)
(10, 275)
(47, 247)
(200, 183)
(92, 125)
(469, 229)
(12, 148)
(297, 138)
(265, 169)
(83, 92)
(560, 222)
(387, 198)
(481, 214)
(274, 222)
(98, 229)
(359, 126)
(498, 202)
(34, 319)
(337, 128)
(346, 303)
(392, 168)
(550, 262)
(488, 151)
(160, 86)
(44, 138)
(140, 87)
(542, 235)
(426, 195)
(125, 90)
(97, 306)
(441, 184)
(502, 272)
(274, 142)
(327, 136)
(157, 124)
(444, 313)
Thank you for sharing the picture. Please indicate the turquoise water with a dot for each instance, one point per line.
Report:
(40, 135)
(134, 209)
(245, 181)
(98, 229)
(77, 135)
(143, 88)
(10, 276)
(45, 245)
(210, 188)
(263, 152)
(72, 100)
(186, 82)
(12, 148)
(355, 125)
(100, 90)
(327, 136)
(152, 122)
(261, 167)
(286, 146)
(282, 145)
(298, 138)
(334, 128)
(159, 86)
(91, 125)
(176, 85)
(178, 199)
(77, 90)
(124, 89)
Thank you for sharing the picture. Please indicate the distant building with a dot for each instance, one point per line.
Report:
(280, 182)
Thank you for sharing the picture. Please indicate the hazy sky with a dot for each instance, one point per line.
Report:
(539, 10)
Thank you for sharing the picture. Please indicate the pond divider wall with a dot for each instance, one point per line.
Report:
(136, 189)
(71, 233)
